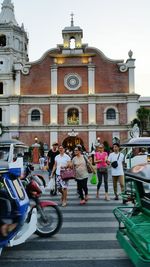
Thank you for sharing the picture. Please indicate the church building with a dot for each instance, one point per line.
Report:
(73, 94)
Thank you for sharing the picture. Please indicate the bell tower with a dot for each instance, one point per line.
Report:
(13, 38)
(13, 54)
(72, 38)
(13, 48)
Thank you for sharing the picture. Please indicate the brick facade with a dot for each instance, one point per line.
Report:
(70, 94)
(102, 84)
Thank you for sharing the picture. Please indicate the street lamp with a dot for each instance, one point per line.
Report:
(36, 139)
(97, 142)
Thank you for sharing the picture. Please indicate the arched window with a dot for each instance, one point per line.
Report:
(1, 88)
(2, 40)
(111, 114)
(0, 114)
(72, 43)
(35, 115)
(73, 116)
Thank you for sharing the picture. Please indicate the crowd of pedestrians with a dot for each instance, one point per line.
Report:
(84, 164)
(100, 163)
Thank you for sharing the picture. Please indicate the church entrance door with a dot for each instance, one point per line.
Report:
(72, 141)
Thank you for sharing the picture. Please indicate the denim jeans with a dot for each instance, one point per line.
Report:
(100, 176)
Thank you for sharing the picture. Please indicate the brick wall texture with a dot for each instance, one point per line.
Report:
(108, 79)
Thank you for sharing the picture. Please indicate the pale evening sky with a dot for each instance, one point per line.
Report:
(113, 26)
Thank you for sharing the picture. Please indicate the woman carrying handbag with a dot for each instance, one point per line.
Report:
(61, 161)
(80, 165)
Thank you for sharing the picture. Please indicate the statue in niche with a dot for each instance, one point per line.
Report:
(135, 131)
(35, 152)
(73, 116)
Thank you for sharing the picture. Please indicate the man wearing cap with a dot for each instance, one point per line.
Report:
(52, 153)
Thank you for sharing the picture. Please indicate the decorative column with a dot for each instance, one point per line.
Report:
(91, 113)
(53, 137)
(91, 79)
(53, 104)
(54, 79)
(54, 112)
(131, 67)
(14, 111)
(17, 69)
(92, 137)
(53, 121)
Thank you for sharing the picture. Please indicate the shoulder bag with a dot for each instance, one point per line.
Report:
(88, 165)
(67, 173)
(114, 164)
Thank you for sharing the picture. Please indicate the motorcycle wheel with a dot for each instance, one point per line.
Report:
(51, 224)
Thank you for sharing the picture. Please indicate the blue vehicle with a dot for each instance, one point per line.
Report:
(14, 202)
(42, 217)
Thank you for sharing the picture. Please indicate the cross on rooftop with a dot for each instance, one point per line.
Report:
(72, 22)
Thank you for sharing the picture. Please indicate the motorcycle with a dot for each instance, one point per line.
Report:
(20, 199)
(49, 215)
(30, 174)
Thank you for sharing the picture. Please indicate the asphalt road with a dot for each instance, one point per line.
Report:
(87, 237)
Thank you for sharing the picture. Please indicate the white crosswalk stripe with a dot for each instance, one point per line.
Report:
(88, 234)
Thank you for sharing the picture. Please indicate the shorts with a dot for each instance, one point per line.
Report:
(60, 183)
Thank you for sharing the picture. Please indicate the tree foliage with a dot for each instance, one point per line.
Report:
(143, 116)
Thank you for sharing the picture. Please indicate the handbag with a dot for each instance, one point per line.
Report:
(67, 173)
(88, 165)
(93, 179)
(114, 164)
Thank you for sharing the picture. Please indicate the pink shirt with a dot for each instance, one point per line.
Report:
(101, 156)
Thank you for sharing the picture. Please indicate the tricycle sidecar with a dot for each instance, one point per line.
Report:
(134, 221)
(136, 151)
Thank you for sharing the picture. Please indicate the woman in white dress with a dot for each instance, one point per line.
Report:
(62, 160)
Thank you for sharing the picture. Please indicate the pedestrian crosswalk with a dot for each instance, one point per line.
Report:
(87, 237)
